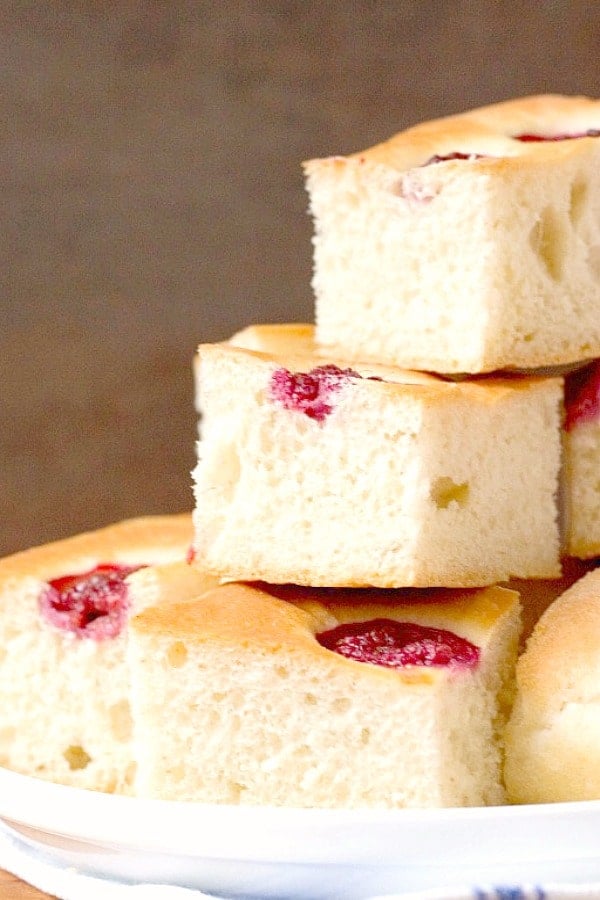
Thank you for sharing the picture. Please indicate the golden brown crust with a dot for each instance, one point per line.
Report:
(170, 582)
(270, 617)
(284, 338)
(487, 130)
(118, 542)
(293, 346)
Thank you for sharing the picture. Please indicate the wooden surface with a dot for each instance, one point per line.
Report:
(13, 889)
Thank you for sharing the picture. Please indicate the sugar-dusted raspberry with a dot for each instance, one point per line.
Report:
(582, 396)
(386, 642)
(92, 604)
(538, 138)
(309, 392)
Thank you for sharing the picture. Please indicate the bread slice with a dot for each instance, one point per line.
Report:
(313, 473)
(457, 246)
(553, 738)
(262, 712)
(582, 462)
(64, 688)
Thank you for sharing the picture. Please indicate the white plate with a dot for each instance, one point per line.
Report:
(303, 853)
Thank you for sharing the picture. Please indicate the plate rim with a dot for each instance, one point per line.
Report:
(284, 834)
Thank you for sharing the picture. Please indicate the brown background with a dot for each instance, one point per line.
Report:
(152, 198)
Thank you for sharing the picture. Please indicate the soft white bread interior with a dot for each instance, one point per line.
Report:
(313, 473)
(582, 471)
(261, 713)
(64, 696)
(470, 264)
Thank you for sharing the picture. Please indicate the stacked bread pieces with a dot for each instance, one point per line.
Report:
(336, 636)
(471, 244)
(460, 248)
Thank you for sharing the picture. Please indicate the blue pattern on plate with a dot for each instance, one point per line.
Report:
(507, 892)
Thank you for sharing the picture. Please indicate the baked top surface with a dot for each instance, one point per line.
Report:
(125, 541)
(489, 131)
(267, 616)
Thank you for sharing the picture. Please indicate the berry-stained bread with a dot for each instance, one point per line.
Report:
(553, 738)
(464, 244)
(299, 697)
(64, 610)
(317, 472)
(582, 462)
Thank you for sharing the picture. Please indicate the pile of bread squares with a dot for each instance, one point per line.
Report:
(381, 500)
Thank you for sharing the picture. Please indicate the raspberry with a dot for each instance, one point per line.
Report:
(537, 138)
(582, 396)
(309, 392)
(386, 642)
(92, 604)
